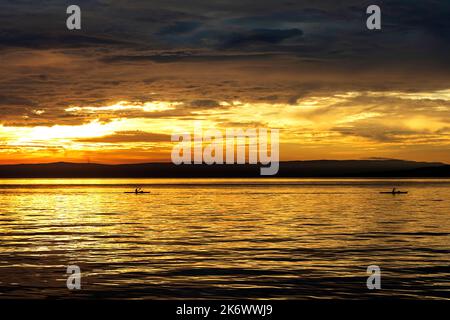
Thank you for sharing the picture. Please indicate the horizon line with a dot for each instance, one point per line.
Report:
(169, 162)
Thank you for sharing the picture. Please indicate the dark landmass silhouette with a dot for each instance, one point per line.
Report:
(294, 169)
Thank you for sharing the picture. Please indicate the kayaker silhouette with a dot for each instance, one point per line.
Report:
(394, 191)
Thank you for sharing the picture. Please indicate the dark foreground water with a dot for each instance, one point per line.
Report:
(224, 238)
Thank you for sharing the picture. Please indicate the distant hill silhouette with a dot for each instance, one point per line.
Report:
(316, 168)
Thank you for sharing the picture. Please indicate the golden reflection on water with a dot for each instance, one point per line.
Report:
(212, 238)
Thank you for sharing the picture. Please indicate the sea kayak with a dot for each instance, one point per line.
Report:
(141, 192)
(396, 192)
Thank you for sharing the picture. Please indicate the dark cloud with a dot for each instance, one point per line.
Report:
(179, 27)
(57, 40)
(171, 57)
(6, 101)
(205, 103)
(258, 36)
(264, 51)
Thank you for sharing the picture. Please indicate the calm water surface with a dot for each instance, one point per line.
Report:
(224, 238)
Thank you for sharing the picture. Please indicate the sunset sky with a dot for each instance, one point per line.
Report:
(139, 71)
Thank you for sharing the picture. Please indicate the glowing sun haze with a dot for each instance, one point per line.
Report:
(339, 126)
(115, 91)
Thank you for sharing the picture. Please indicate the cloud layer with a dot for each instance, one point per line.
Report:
(312, 68)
